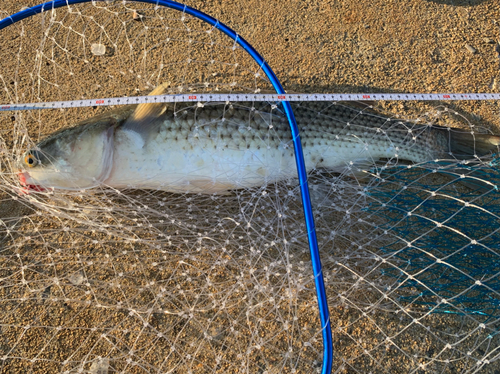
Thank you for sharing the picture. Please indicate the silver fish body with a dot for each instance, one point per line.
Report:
(216, 147)
(222, 147)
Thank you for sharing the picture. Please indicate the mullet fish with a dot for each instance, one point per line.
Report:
(217, 147)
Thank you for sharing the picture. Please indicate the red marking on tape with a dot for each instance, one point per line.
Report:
(281, 97)
(446, 96)
(6, 107)
(192, 97)
(99, 101)
(366, 96)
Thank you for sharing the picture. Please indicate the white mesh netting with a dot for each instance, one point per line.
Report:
(128, 280)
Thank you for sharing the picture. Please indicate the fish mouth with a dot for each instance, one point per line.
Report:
(27, 187)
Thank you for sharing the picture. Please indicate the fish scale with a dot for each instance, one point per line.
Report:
(316, 121)
(324, 124)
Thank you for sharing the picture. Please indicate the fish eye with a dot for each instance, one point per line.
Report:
(30, 160)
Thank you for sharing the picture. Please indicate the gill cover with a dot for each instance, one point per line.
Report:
(78, 157)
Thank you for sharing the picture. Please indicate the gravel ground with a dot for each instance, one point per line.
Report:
(342, 46)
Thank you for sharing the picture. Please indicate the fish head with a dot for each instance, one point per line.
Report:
(76, 158)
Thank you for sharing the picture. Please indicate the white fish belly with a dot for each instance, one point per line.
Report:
(195, 164)
(202, 165)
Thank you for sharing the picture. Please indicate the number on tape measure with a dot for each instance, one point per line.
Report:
(243, 97)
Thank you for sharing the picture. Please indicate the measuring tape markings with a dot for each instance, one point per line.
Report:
(249, 97)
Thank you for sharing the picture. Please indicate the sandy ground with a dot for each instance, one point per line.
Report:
(420, 46)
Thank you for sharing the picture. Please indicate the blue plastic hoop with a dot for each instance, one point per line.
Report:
(299, 156)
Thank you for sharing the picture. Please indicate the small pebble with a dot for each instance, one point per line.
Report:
(494, 84)
(488, 41)
(98, 49)
(136, 15)
(76, 278)
(101, 366)
(470, 48)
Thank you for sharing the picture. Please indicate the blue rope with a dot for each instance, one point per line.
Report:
(299, 156)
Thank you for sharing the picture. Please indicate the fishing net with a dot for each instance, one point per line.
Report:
(109, 280)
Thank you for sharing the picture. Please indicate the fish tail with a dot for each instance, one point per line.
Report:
(466, 145)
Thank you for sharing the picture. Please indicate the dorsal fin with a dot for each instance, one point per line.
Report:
(144, 114)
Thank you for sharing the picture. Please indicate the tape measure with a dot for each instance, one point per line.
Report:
(232, 97)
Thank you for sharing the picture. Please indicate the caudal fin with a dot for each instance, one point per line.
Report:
(461, 145)
(467, 145)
